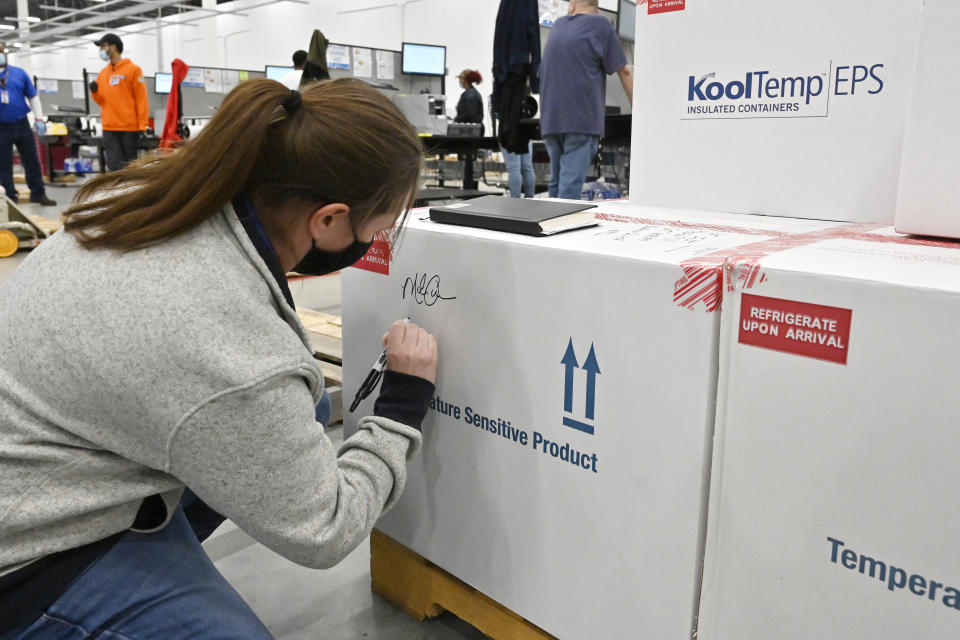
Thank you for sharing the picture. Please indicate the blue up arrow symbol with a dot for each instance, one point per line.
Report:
(570, 362)
(592, 368)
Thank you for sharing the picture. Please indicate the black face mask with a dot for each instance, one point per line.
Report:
(320, 263)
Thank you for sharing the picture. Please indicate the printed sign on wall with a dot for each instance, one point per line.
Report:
(47, 85)
(194, 77)
(362, 62)
(338, 56)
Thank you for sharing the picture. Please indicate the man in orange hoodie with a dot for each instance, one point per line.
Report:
(122, 95)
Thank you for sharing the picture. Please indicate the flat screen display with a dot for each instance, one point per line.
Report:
(162, 82)
(424, 59)
(277, 73)
(627, 20)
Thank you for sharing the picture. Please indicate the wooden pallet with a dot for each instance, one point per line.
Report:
(424, 590)
(47, 224)
(67, 178)
(326, 336)
(326, 333)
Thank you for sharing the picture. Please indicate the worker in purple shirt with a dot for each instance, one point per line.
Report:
(583, 48)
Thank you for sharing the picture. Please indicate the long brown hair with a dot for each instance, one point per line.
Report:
(345, 142)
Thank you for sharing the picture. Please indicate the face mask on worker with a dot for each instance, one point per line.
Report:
(319, 263)
(104, 55)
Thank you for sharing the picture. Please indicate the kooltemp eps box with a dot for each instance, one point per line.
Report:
(784, 108)
(929, 198)
(835, 467)
(565, 461)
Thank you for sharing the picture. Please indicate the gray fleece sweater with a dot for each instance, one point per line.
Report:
(127, 375)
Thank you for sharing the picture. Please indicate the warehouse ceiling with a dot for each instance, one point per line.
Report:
(56, 23)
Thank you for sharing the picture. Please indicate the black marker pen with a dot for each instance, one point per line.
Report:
(373, 378)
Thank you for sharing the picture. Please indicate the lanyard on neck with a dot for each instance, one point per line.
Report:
(251, 213)
(251, 223)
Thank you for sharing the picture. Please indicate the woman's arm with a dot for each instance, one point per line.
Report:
(257, 456)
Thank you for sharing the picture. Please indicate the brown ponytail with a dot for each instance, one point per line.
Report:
(345, 142)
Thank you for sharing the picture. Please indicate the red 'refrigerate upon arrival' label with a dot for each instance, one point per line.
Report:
(663, 6)
(801, 328)
(377, 259)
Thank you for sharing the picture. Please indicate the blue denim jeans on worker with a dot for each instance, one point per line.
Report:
(324, 410)
(522, 177)
(570, 158)
(21, 135)
(149, 586)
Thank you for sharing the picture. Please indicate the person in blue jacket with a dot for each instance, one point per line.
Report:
(16, 89)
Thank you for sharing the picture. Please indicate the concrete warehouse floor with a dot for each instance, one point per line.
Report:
(294, 602)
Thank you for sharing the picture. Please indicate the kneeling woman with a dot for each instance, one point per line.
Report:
(153, 345)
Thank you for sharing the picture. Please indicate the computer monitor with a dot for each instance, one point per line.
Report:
(162, 82)
(424, 60)
(277, 73)
(627, 20)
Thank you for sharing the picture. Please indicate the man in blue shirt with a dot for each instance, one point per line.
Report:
(16, 88)
(582, 50)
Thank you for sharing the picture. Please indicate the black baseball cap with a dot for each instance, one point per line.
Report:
(110, 38)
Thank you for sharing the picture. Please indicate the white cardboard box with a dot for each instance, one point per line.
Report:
(844, 430)
(610, 547)
(784, 108)
(929, 198)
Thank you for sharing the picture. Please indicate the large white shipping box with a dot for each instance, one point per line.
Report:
(565, 457)
(835, 469)
(929, 198)
(784, 108)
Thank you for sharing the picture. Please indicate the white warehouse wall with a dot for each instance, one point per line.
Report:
(270, 34)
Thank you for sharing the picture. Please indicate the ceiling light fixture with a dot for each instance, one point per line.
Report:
(33, 19)
(7, 27)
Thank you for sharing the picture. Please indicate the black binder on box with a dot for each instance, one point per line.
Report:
(514, 215)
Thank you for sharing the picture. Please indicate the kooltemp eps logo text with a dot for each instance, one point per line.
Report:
(765, 94)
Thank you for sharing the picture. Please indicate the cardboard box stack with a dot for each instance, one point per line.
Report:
(782, 108)
(929, 198)
(836, 448)
(564, 468)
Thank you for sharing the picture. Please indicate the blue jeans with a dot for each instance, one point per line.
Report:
(324, 410)
(520, 166)
(147, 586)
(21, 135)
(570, 157)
